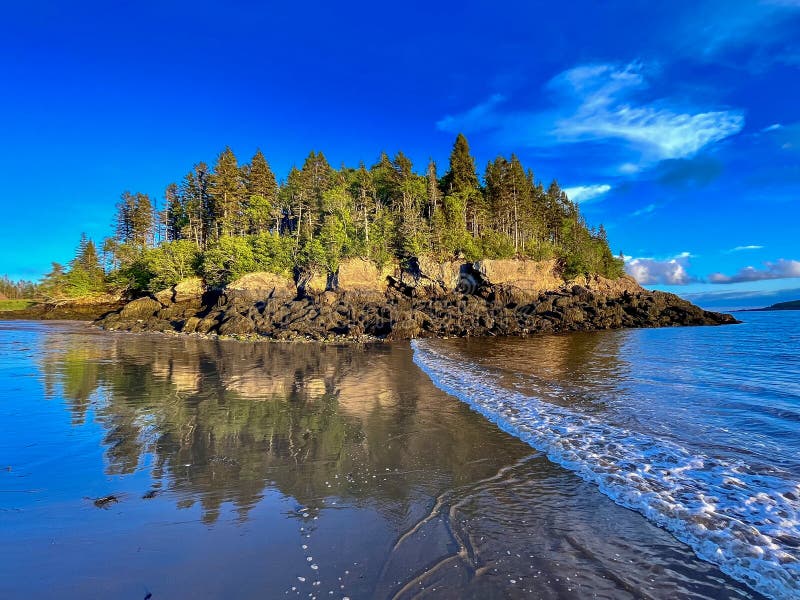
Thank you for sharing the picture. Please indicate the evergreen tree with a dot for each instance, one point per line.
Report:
(86, 275)
(224, 222)
(135, 222)
(462, 180)
(176, 219)
(262, 208)
(196, 202)
(227, 192)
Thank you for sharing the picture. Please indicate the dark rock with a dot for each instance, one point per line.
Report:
(421, 300)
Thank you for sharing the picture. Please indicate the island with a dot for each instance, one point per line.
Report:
(790, 305)
(356, 253)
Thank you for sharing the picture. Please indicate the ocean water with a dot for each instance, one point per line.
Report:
(626, 464)
(697, 429)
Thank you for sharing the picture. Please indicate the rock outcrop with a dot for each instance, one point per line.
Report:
(422, 299)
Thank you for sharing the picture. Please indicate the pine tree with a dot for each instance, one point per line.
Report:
(227, 193)
(462, 180)
(175, 217)
(135, 221)
(86, 275)
(196, 202)
(262, 207)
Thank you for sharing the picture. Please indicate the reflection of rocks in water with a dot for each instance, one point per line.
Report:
(581, 368)
(221, 421)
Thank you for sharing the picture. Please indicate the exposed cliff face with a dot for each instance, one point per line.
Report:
(423, 299)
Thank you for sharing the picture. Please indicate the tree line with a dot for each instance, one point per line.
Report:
(15, 290)
(222, 221)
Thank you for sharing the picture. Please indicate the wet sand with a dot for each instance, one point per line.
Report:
(266, 470)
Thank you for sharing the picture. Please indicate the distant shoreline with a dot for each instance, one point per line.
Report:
(790, 305)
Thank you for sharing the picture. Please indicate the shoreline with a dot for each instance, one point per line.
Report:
(400, 313)
(364, 304)
(307, 439)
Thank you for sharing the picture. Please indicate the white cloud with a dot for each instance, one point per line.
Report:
(649, 271)
(605, 111)
(585, 193)
(773, 127)
(478, 118)
(780, 269)
(645, 210)
(750, 247)
(599, 103)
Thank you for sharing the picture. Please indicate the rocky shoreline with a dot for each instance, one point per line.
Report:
(361, 302)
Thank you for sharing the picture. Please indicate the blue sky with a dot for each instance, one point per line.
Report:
(677, 124)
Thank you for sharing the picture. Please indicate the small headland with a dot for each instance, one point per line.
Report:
(418, 298)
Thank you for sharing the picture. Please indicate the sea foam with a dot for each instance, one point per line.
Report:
(744, 521)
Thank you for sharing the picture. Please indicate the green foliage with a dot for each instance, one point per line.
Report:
(134, 223)
(273, 253)
(226, 260)
(235, 218)
(258, 214)
(13, 290)
(170, 263)
(496, 245)
(313, 255)
(84, 277)
(18, 304)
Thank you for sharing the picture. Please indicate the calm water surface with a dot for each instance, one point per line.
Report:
(279, 470)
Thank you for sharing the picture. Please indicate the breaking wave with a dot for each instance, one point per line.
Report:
(746, 522)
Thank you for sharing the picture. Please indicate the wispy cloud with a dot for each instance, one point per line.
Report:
(601, 103)
(607, 110)
(750, 247)
(478, 118)
(650, 271)
(645, 210)
(766, 28)
(780, 269)
(585, 193)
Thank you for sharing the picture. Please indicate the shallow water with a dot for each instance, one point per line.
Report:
(698, 429)
(300, 470)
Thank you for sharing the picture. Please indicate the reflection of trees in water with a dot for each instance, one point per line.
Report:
(219, 421)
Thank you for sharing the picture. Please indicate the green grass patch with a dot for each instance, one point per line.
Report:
(6, 305)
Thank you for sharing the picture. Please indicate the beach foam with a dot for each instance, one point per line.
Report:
(744, 521)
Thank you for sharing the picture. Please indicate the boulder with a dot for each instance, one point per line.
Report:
(164, 297)
(188, 289)
(236, 325)
(140, 308)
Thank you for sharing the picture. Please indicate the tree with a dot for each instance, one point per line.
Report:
(176, 218)
(225, 222)
(196, 201)
(462, 180)
(262, 195)
(85, 275)
(227, 192)
(134, 221)
(434, 193)
(54, 282)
